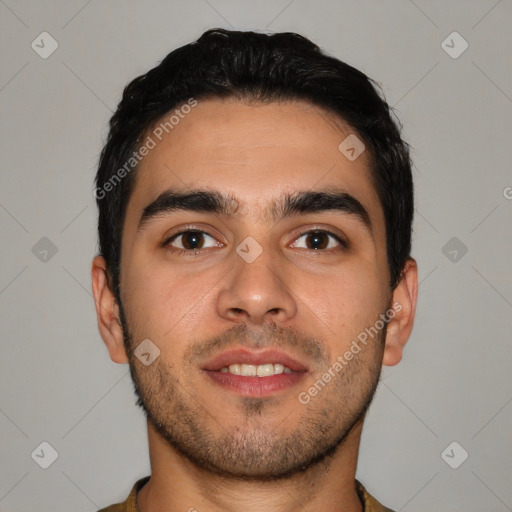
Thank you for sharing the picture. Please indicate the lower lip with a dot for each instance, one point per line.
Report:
(255, 386)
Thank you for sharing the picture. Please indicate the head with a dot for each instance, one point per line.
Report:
(236, 144)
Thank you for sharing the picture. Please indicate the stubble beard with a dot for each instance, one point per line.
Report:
(248, 449)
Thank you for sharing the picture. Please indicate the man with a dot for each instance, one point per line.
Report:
(255, 208)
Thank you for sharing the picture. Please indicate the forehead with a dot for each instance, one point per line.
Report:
(255, 152)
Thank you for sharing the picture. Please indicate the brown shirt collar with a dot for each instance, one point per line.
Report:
(370, 504)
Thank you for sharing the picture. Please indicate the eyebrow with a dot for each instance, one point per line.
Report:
(297, 203)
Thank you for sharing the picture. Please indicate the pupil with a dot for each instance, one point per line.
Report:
(190, 239)
(317, 240)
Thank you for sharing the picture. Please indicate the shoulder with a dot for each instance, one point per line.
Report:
(369, 502)
(130, 504)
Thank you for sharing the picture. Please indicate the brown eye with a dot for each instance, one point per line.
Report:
(190, 240)
(319, 240)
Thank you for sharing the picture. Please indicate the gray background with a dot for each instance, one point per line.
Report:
(58, 383)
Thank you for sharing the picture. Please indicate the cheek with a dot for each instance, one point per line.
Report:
(344, 302)
(166, 303)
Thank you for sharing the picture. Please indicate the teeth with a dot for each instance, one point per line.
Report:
(248, 370)
(264, 370)
(278, 369)
(234, 369)
(251, 370)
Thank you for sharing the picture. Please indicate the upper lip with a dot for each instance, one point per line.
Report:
(245, 356)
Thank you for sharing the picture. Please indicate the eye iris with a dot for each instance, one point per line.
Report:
(191, 239)
(316, 239)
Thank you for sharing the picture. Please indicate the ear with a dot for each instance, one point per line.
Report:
(403, 302)
(107, 311)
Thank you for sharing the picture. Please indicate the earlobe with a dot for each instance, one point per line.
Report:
(107, 312)
(404, 299)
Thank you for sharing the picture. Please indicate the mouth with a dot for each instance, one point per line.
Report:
(251, 370)
(255, 373)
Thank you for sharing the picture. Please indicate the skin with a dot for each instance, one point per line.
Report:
(311, 303)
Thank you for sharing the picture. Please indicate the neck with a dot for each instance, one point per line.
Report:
(178, 484)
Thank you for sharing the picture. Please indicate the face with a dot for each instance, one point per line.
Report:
(283, 291)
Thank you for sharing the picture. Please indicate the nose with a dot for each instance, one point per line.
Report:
(257, 292)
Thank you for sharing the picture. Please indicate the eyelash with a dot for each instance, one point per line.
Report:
(195, 252)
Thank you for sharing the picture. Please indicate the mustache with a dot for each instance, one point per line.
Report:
(267, 336)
